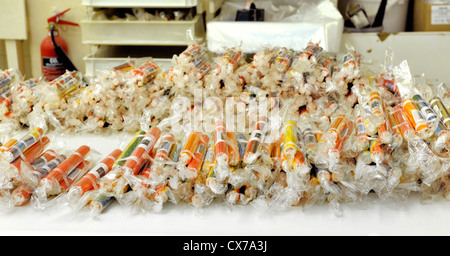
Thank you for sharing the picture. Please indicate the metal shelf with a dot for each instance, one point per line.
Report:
(143, 3)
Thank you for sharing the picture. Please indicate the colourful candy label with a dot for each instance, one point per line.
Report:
(99, 170)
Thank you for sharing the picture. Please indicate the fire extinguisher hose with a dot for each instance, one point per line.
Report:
(60, 52)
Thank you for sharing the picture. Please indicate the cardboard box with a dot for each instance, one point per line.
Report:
(431, 15)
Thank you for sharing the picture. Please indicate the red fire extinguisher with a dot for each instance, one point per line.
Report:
(54, 50)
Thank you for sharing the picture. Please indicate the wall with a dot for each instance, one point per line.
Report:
(2, 55)
(37, 12)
